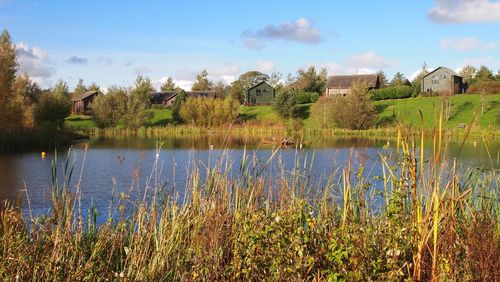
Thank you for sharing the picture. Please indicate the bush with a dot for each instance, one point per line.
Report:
(285, 104)
(354, 111)
(52, 110)
(208, 111)
(484, 87)
(306, 97)
(392, 92)
(110, 108)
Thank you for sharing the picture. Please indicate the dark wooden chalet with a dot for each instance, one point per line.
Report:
(339, 85)
(81, 103)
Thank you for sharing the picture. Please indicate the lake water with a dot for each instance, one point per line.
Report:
(123, 164)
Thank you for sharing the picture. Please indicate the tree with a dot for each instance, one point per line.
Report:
(10, 111)
(322, 112)
(310, 80)
(93, 87)
(276, 80)
(400, 80)
(285, 104)
(52, 110)
(169, 85)
(80, 88)
(209, 112)
(468, 73)
(354, 111)
(484, 74)
(237, 92)
(497, 76)
(220, 89)
(141, 92)
(110, 108)
(176, 107)
(27, 94)
(61, 88)
(202, 82)
(383, 79)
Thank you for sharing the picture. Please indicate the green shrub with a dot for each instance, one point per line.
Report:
(392, 92)
(52, 110)
(110, 108)
(484, 87)
(306, 97)
(209, 112)
(285, 104)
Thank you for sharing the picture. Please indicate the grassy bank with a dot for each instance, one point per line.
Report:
(428, 221)
(391, 114)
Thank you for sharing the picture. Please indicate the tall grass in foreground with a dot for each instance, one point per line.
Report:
(435, 223)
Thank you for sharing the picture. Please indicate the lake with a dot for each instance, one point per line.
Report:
(125, 164)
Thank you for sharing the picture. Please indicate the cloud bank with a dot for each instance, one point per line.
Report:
(465, 11)
(301, 30)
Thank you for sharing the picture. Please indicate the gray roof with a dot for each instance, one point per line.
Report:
(345, 81)
(258, 84)
(163, 96)
(448, 70)
(84, 95)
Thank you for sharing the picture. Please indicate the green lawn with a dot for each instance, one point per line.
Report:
(80, 122)
(462, 111)
(390, 112)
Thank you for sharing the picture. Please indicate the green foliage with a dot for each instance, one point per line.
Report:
(209, 112)
(400, 80)
(484, 87)
(10, 109)
(354, 111)
(237, 92)
(417, 81)
(310, 80)
(285, 104)
(52, 110)
(80, 88)
(169, 85)
(391, 92)
(108, 109)
(138, 102)
(202, 83)
(177, 105)
(61, 88)
(322, 113)
(484, 74)
(306, 97)
(141, 92)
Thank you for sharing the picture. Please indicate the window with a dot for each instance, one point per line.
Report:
(435, 79)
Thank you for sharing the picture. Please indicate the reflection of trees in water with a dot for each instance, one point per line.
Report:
(9, 184)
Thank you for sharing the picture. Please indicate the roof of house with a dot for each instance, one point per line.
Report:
(163, 96)
(208, 93)
(84, 95)
(448, 70)
(258, 84)
(345, 81)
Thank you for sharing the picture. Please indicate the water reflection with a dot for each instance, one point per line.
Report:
(125, 164)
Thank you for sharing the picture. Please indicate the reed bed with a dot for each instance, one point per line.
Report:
(429, 221)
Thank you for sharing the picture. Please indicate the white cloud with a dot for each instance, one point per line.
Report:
(467, 44)
(105, 60)
(266, 66)
(490, 62)
(465, 11)
(228, 69)
(34, 62)
(184, 84)
(301, 30)
(370, 59)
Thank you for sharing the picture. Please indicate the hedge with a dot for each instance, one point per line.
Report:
(484, 87)
(392, 92)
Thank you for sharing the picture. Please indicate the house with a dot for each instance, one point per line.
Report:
(339, 85)
(443, 80)
(260, 94)
(167, 98)
(81, 103)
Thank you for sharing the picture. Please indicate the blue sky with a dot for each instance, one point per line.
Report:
(111, 42)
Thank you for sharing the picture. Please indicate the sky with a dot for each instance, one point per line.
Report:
(112, 42)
